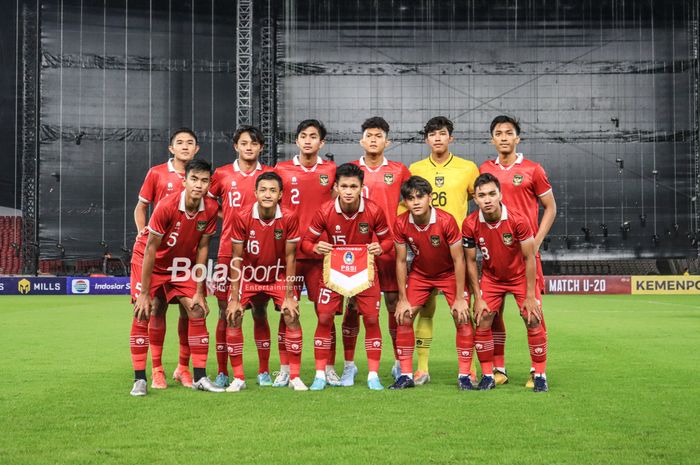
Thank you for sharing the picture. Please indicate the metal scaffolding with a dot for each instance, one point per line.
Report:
(694, 46)
(244, 62)
(31, 49)
(267, 84)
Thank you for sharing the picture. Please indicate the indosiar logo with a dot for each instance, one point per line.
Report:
(80, 286)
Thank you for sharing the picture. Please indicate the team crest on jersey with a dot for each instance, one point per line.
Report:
(364, 228)
(435, 240)
(349, 258)
(389, 178)
(201, 225)
(517, 179)
(252, 233)
(439, 181)
(507, 238)
(278, 234)
(323, 179)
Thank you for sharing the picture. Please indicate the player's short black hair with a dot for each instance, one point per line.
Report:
(255, 134)
(486, 178)
(198, 164)
(436, 123)
(312, 123)
(500, 119)
(269, 176)
(181, 130)
(375, 122)
(416, 184)
(349, 170)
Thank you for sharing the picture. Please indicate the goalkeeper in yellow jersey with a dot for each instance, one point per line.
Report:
(452, 179)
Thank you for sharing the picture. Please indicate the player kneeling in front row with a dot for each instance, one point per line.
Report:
(165, 253)
(507, 248)
(434, 238)
(264, 241)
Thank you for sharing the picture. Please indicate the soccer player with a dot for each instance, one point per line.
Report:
(161, 181)
(382, 184)
(525, 187)
(452, 179)
(234, 186)
(308, 181)
(434, 238)
(269, 236)
(352, 220)
(507, 247)
(176, 243)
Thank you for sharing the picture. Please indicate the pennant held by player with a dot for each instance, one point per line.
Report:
(348, 270)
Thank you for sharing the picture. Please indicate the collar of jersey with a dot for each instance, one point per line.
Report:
(237, 168)
(182, 207)
(432, 162)
(362, 163)
(518, 159)
(171, 168)
(340, 210)
(256, 214)
(433, 219)
(297, 162)
(504, 216)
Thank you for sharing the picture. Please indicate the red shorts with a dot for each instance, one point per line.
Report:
(419, 288)
(257, 294)
(367, 301)
(494, 293)
(162, 284)
(386, 269)
(222, 287)
(312, 273)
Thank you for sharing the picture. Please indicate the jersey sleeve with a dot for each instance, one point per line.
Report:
(238, 229)
(211, 224)
(381, 227)
(148, 190)
(540, 181)
(472, 174)
(159, 221)
(522, 230)
(405, 174)
(452, 234)
(293, 228)
(399, 236)
(215, 189)
(468, 236)
(318, 223)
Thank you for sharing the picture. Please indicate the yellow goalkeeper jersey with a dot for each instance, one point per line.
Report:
(452, 181)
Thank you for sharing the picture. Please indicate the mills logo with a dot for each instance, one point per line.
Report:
(24, 286)
(80, 286)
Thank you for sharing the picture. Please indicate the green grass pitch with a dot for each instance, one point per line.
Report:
(623, 373)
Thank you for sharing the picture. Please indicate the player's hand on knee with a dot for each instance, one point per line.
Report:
(142, 307)
(201, 300)
(234, 313)
(290, 308)
(480, 308)
(532, 310)
(403, 309)
(460, 311)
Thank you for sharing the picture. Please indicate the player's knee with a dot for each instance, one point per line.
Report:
(371, 320)
(325, 319)
(391, 299)
(487, 320)
(533, 324)
(291, 322)
(197, 312)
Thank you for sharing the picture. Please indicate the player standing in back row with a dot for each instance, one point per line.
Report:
(524, 186)
(452, 179)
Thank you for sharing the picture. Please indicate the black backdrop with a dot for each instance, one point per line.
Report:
(592, 82)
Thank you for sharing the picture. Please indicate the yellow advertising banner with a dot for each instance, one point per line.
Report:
(665, 285)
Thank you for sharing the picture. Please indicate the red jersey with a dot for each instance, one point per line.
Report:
(180, 231)
(499, 244)
(522, 183)
(235, 189)
(305, 190)
(264, 256)
(161, 181)
(383, 185)
(360, 228)
(430, 243)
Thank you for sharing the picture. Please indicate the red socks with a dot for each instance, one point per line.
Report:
(537, 340)
(322, 340)
(261, 334)
(221, 352)
(392, 332)
(405, 343)
(156, 335)
(498, 328)
(483, 343)
(351, 328)
(281, 342)
(234, 342)
(199, 342)
(464, 344)
(182, 330)
(293, 342)
(373, 342)
(138, 341)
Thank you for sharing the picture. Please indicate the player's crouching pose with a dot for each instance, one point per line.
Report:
(161, 268)
(269, 236)
(434, 238)
(348, 220)
(508, 251)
